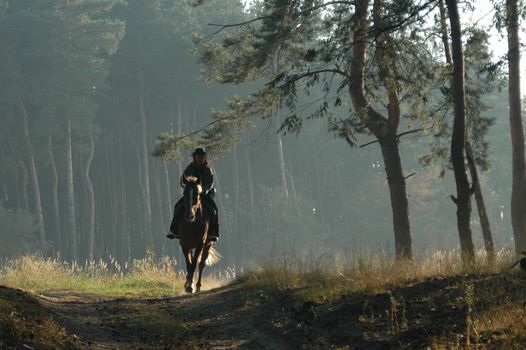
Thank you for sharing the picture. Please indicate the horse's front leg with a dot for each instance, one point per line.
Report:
(202, 264)
(190, 268)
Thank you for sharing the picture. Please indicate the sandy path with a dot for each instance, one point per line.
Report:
(216, 319)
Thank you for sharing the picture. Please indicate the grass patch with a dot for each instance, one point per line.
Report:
(434, 302)
(147, 277)
(314, 280)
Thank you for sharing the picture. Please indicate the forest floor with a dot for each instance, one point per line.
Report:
(468, 311)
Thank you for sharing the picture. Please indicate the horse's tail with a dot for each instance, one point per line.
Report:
(213, 257)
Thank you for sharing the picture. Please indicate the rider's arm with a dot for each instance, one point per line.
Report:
(208, 179)
(182, 181)
(186, 172)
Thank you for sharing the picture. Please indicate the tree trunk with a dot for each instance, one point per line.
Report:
(397, 189)
(481, 207)
(282, 167)
(518, 190)
(138, 217)
(223, 216)
(383, 129)
(463, 200)
(169, 203)
(91, 198)
(33, 175)
(145, 166)
(443, 27)
(114, 198)
(179, 131)
(251, 196)
(235, 246)
(126, 239)
(23, 185)
(72, 218)
(161, 207)
(56, 208)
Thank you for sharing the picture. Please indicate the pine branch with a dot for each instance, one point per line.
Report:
(397, 137)
(240, 24)
(408, 18)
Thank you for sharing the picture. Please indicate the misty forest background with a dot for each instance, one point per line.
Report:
(88, 86)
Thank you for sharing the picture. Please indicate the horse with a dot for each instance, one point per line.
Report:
(194, 234)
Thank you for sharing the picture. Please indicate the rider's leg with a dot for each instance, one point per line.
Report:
(212, 212)
(178, 209)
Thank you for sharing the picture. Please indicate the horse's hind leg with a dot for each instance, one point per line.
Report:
(202, 264)
(190, 268)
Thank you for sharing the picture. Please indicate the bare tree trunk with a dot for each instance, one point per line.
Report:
(126, 239)
(223, 215)
(179, 131)
(23, 185)
(484, 221)
(236, 248)
(518, 191)
(397, 189)
(463, 200)
(56, 208)
(252, 198)
(158, 193)
(281, 158)
(91, 197)
(33, 175)
(169, 202)
(383, 129)
(114, 196)
(481, 207)
(72, 217)
(139, 226)
(443, 25)
(145, 165)
(20, 181)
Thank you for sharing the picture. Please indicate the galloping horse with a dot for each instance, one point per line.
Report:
(194, 234)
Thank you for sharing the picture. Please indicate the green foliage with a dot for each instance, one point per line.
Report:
(300, 49)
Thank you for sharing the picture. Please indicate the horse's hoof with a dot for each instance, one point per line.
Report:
(197, 290)
(188, 289)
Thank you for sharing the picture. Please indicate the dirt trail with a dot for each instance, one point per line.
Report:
(215, 319)
(415, 316)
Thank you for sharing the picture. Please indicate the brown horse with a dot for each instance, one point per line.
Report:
(197, 250)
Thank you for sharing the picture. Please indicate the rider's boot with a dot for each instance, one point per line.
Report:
(173, 234)
(213, 232)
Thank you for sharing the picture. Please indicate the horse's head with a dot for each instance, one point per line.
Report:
(192, 197)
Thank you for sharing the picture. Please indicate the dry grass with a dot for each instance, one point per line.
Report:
(145, 277)
(482, 290)
(318, 279)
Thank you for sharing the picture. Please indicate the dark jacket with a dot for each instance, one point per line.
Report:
(203, 173)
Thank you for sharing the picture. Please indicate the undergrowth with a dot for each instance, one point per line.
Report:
(485, 299)
(315, 278)
(148, 277)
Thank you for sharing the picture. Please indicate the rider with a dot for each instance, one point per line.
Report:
(200, 169)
